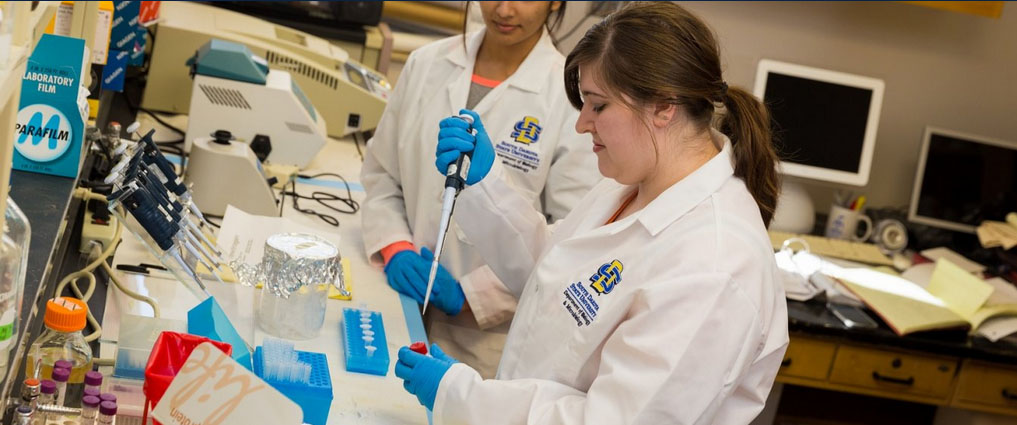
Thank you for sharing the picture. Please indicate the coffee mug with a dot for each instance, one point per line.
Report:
(843, 224)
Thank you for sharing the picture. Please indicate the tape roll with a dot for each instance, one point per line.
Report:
(891, 235)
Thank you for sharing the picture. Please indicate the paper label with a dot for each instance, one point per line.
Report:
(6, 329)
(212, 389)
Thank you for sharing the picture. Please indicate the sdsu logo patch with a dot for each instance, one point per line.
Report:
(516, 152)
(607, 277)
(527, 130)
(580, 303)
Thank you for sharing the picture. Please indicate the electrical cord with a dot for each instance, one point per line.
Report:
(209, 217)
(322, 198)
(356, 142)
(100, 260)
(164, 124)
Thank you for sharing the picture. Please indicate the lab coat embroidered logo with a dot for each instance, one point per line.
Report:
(516, 155)
(607, 277)
(527, 130)
(580, 303)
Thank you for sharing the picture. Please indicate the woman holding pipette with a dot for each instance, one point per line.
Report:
(654, 301)
(510, 73)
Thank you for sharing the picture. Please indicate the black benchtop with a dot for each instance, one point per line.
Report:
(813, 319)
(44, 200)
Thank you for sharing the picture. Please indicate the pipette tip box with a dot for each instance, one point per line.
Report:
(312, 392)
(364, 342)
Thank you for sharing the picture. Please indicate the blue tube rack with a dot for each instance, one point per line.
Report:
(313, 397)
(355, 346)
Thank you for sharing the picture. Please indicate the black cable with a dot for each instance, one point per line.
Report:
(323, 199)
(356, 142)
(164, 123)
(209, 217)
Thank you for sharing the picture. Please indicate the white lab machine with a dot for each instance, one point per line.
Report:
(234, 90)
(222, 172)
(277, 109)
(349, 96)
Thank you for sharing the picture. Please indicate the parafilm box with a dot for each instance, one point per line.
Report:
(51, 117)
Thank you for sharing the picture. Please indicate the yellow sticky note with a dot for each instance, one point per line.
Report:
(348, 279)
(226, 275)
(963, 292)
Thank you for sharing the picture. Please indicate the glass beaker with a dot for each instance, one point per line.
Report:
(296, 272)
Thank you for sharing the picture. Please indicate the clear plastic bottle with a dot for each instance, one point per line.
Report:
(93, 379)
(13, 262)
(89, 409)
(107, 413)
(47, 395)
(91, 392)
(60, 377)
(62, 340)
(47, 392)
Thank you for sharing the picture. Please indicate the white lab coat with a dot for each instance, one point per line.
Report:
(403, 202)
(693, 332)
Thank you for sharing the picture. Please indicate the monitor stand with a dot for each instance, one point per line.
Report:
(795, 212)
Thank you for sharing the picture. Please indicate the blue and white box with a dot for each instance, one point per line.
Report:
(51, 120)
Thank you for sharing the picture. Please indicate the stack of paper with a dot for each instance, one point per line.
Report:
(952, 298)
(994, 234)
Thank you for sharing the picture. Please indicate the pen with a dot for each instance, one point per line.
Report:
(859, 203)
(144, 271)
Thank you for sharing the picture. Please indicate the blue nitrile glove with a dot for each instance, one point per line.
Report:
(422, 373)
(404, 276)
(446, 294)
(455, 138)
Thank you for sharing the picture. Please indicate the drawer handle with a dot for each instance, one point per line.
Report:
(1009, 395)
(787, 362)
(909, 381)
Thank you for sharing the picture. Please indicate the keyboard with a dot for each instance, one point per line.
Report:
(837, 248)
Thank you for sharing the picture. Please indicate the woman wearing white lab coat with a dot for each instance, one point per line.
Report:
(531, 124)
(654, 301)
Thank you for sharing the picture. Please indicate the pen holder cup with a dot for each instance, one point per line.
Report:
(843, 224)
(296, 272)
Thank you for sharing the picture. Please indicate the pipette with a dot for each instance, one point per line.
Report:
(455, 180)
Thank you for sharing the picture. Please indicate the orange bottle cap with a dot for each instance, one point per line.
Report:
(66, 314)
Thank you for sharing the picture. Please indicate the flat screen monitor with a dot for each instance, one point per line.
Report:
(824, 122)
(963, 180)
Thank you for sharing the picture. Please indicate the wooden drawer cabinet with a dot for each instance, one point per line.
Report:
(987, 385)
(894, 373)
(808, 358)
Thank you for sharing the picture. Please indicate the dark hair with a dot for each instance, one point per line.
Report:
(552, 22)
(658, 52)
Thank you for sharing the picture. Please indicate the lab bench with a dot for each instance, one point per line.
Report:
(946, 368)
(357, 398)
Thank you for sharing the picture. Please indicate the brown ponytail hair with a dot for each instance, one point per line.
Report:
(658, 52)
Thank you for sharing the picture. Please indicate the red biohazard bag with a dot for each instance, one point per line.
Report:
(169, 354)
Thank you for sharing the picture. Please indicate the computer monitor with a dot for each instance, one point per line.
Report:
(963, 180)
(824, 122)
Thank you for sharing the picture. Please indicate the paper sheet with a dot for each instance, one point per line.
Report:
(1005, 293)
(997, 328)
(920, 274)
(964, 263)
(242, 237)
(993, 234)
(963, 292)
